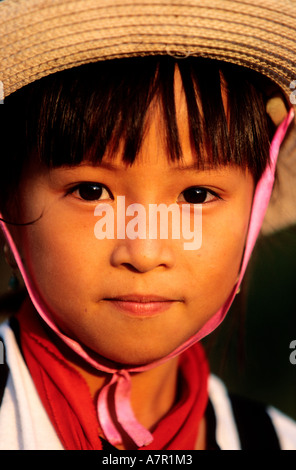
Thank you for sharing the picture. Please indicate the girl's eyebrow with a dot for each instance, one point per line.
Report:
(193, 166)
(110, 166)
(198, 167)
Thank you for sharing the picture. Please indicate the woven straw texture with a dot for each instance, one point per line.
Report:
(40, 37)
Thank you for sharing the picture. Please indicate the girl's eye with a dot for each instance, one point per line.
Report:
(198, 195)
(90, 191)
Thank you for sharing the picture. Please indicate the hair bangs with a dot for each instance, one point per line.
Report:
(86, 113)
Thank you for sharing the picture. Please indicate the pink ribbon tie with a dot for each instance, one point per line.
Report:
(124, 413)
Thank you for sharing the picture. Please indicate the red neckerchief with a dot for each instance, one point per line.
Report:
(69, 404)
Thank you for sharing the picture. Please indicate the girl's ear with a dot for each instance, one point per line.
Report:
(276, 109)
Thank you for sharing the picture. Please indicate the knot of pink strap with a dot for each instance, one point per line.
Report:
(124, 414)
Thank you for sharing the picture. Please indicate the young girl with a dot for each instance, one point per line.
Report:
(104, 350)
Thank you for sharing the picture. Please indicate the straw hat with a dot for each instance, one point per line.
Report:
(42, 37)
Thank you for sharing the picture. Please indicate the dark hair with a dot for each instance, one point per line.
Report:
(77, 114)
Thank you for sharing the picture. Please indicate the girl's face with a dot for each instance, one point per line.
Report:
(134, 300)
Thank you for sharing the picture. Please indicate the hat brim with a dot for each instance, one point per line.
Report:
(41, 38)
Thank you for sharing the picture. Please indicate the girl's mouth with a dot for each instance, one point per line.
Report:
(141, 305)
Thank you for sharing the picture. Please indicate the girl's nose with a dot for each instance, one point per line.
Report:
(143, 255)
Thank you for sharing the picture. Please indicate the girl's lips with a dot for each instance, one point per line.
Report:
(142, 305)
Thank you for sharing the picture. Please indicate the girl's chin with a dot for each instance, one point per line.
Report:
(128, 358)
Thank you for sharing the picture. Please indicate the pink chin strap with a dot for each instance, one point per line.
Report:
(120, 377)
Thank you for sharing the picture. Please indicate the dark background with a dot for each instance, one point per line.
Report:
(250, 350)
